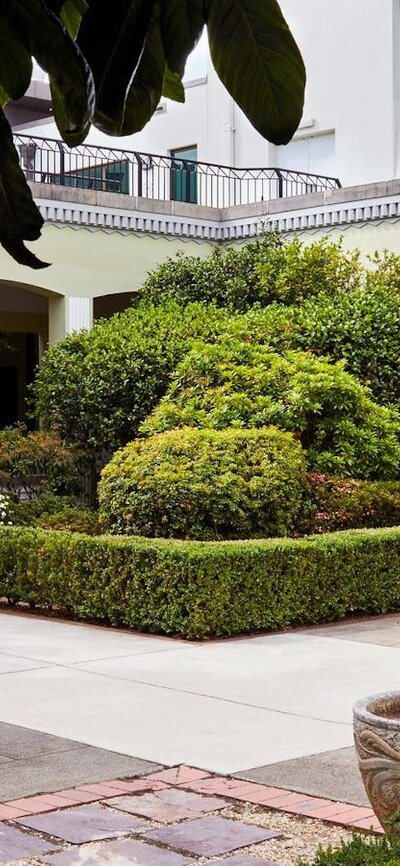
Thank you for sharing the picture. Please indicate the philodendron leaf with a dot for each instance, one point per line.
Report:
(112, 38)
(46, 38)
(15, 65)
(20, 219)
(259, 62)
(70, 12)
(182, 22)
(173, 87)
(146, 88)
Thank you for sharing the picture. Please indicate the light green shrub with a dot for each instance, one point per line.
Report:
(240, 383)
(205, 484)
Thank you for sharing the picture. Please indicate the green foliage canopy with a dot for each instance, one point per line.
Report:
(239, 383)
(110, 67)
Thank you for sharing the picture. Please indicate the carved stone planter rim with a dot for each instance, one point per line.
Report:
(362, 710)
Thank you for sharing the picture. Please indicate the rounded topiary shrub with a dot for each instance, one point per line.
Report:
(242, 383)
(205, 484)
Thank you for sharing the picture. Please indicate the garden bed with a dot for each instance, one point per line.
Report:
(202, 589)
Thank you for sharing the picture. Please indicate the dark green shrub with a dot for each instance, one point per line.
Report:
(30, 462)
(265, 270)
(240, 383)
(27, 512)
(202, 589)
(337, 504)
(360, 851)
(95, 387)
(205, 484)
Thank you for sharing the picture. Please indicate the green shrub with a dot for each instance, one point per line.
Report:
(95, 387)
(202, 589)
(360, 851)
(239, 383)
(362, 328)
(262, 271)
(349, 504)
(72, 519)
(205, 484)
(37, 461)
(28, 511)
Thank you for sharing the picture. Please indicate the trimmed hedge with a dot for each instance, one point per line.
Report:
(202, 589)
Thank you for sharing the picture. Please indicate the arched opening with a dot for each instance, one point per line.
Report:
(105, 306)
(24, 323)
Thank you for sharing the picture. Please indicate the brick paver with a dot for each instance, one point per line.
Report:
(83, 816)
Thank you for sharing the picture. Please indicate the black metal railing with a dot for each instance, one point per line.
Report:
(160, 177)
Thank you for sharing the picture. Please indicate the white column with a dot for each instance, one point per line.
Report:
(79, 314)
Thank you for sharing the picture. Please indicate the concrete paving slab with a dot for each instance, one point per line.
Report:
(165, 725)
(9, 664)
(331, 775)
(382, 630)
(302, 674)
(58, 642)
(43, 764)
(17, 742)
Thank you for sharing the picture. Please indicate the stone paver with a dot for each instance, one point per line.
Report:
(243, 860)
(84, 823)
(168, 805)
(123, 852)
(14, 844)
(212, 836)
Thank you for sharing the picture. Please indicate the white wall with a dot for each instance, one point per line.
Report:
(350, 49)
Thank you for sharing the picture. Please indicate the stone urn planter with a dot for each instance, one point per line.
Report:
(377, 740)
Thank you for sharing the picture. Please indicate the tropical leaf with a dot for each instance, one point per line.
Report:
(146, 88)
(19, 217)
(173, 87)
(112, 42)
(46, 38)
(15, 65)
(70, 12)
(259, 63)
(182, 22)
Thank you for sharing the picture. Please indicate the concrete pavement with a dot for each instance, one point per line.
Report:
(224, 706)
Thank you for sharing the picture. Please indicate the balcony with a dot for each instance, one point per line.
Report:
(161, 178)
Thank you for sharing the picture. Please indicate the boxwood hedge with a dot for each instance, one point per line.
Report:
(202, 589)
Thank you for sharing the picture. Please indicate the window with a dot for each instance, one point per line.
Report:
(184, 175)
(109, 177)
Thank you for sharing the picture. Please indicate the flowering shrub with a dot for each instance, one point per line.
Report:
(6, 510)
(338, 503)
(31, 462)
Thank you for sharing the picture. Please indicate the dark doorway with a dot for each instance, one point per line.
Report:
(8, 396)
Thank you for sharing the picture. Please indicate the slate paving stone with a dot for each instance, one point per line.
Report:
(121, 852)
(169, 805)
(84, 823)
(243, 860)
(15, 844)
(211, 836)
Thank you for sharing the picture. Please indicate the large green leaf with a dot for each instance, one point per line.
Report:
(46, 38)
(259, 62)
(19, 217)
(112, 38)
(182, 22)
(70, 12)
(147, 85)
(15, 65)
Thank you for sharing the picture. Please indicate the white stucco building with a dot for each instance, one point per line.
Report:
(351, 122)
